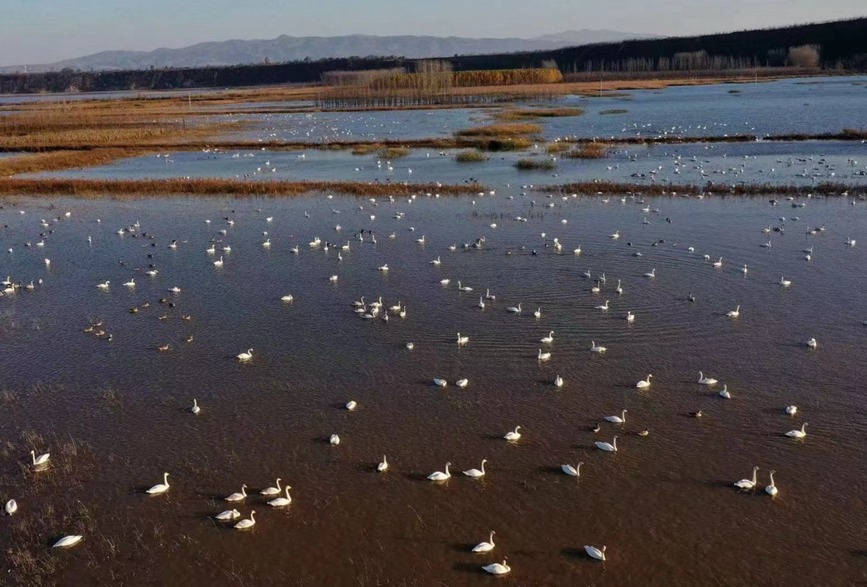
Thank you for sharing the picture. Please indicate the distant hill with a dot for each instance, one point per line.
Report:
(285, 48)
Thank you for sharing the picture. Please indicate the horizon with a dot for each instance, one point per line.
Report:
(30, 36)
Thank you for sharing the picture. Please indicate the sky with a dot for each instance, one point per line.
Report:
(44, 31)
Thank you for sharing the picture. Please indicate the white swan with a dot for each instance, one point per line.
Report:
(798, 433)
(603, 307)
(785, 282)
(383, 465)
(513, 435)
(702, 380)
(439, 475)
(606, 446)
(195, 409)
(41, 459)
(597, 349)
(538, 313)
(618, 289)
(160, 487)
(351, 405)
(440, 382)
(333, 440)
(791, 410)
(772, 488)
(462, 383)
(514, 309)
(228, 515)
(745, 484)
(410, 346)
(621, 419)
(247, 523)
(718, 263)
(287, 298)
(238, 496)
(744, 270)
(734, 313)
(485, 546)
(644, 383)
(812, 343)
(547, 339)
(481, 303)
(543, 356)
(497, 568)
(630, 317)
(476, 473)
(558, 381)
(652, 273)
(68, 541)
(594, 552)
(279, 502)
(11, 506)
(462, 340)
(130, 283)
(596, 288)
(272, 490)
(103, 285)
(244, 357)
(572, 471)
(725, 392)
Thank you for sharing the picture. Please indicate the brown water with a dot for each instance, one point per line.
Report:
(115, 415)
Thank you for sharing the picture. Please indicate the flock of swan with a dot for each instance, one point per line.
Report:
(379, 310)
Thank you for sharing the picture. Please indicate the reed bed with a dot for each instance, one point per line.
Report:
(535, 113)
(394, 152)
(589, 151)
(500, 130)
(709, 189)
(61, 160)
(535, 164)
(471, 156)
(558, 147)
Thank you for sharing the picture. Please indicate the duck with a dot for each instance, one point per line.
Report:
(798, 433)
(513, 435)
(439, 475)
(238, 496)
(476, 473)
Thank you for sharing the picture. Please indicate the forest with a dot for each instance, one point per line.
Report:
(830, 46)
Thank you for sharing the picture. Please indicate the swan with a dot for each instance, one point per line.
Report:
(333, 279)
(812, 343)
(488, 295)
(481, 303)
(247, 522)
(538, 313)
(558, 381)
(497, 568)
(606, 446)
(440, 382)
(103, 285)
(279, 502)
(485, 546)
(11, 506)
(238, 496)
(596, 288)
(734, 313)
(382, 466)
(244, 357)
(464, 287)
(718, 263)
(597, 349)
(439, 475)
(772, 489)
(272, 490)
(383, 268)
(586, 274)
(228, 515)
(462, 383)
(287, 298)
(798, 433)
(410, 346)
(744, 270)
(547, 339)
(68, 541)
(543, 356)
(791, 410)
(211, 250)
(618, 289)
(41, 459)
(436, 262)
(333, 440)
(603, 307)
(130, 283)
(745, 484)
(462, 340)
(514, 309)
(644, 383)
(615, 236)
(160, 487)
(577, 251)
(513, 435)
(702, 380)
(475, 473)
(572, 471)
(630, 317)
(351, 405)
(621, 419)
(652, 273)
(725, 392)
(195, 409)
(594, 552)
(785, 282)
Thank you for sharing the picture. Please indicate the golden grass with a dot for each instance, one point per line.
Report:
(133, 189)
(558, 147)
(589, 151)
(471, 156)
(535, 164)
(365, 148)
(500, 130)
(60, 160)
(534, 113)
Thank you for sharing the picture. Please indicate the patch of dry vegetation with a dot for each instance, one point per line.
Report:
(394, 152)
(589, 151)
(535, 165)
(471, 156)
(534, 113)
(500, 130)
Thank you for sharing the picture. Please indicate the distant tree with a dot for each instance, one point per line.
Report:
(804, 56)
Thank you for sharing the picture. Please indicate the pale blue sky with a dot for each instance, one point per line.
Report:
(38, 31)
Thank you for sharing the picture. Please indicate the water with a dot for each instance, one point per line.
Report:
(656, 503)
(788, 163)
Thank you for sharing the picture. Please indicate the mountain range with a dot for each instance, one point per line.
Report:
(286, 48)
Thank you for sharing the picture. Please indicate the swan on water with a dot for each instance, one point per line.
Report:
(272, 490)
(238, 496)
(513, 435)
(247, 522)
(279, 502)
(621, 419)
(702, 380)
(488, 546)
(772, 488)
(160, 487)
(745, 484)
(607, 447)
(798, 433)
(497, 568)
(594, 552)
(644, 383)
(476, 473)
(439, 475)
(382, 465)
(572, 471)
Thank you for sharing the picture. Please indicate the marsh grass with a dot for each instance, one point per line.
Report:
(503, 130)
(614, 111)
(471, 156)
(535, 164)
(535, 113)
(558, 147)
(589, 151)
(394, 152)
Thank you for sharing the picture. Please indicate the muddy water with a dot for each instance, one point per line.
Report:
(115, 415)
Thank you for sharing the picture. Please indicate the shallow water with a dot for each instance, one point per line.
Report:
(663, 504)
